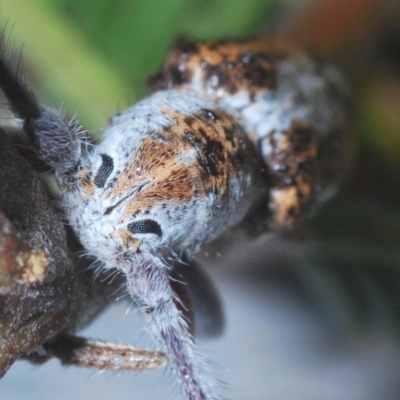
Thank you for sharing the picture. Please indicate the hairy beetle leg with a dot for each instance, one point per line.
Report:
(97, 354)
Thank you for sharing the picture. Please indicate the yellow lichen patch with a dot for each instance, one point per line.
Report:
(34, 265)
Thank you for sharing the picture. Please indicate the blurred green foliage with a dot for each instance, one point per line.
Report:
(94, 56)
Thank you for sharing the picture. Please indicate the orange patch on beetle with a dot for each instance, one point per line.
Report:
(294, 174)
(207, 136)
(287, 205)
(171, 185)
(228, 65)
(196, 155)
(152, 158)
(128, 241)
(221, 145)
(86, 183)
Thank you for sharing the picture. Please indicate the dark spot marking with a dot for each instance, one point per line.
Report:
(190, 136)
(177, 76)
(281, 168)
(215, 77)
(307, 166)
(212, 155)
(289, 181)
(203, 134)
(238, 160)
(229, 134)
(214, 45)
(301, 138)
(104, 171)
(187, 47)
(145, 226)
(300, 196)
(189, 120)
(209, 114)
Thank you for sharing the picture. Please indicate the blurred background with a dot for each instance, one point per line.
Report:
(310, 315)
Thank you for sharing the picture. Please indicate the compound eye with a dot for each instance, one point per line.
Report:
(104, 171)
(145, 226)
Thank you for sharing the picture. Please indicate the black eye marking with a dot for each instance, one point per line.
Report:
(145, 226)
(104, 171)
